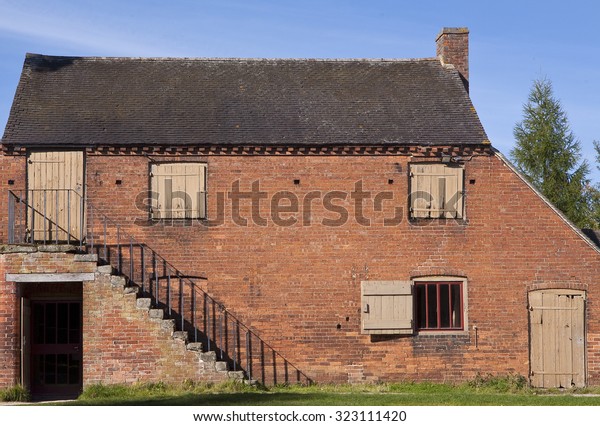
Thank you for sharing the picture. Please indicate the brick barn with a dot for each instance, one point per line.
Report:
(279, 220)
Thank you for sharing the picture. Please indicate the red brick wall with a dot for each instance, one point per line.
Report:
(12, 168)
(299, 286)
(9, 331)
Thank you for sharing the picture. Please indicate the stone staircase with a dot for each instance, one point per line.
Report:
(176, 359)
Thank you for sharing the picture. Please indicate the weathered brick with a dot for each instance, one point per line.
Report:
(295, 284)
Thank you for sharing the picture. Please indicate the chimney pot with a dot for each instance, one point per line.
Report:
(452, 47)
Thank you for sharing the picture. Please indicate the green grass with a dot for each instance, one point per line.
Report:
(488, 390)
(16, 393)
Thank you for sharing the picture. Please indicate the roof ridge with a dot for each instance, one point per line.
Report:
(217, 59)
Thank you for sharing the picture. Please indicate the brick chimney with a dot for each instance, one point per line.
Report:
(452, 47)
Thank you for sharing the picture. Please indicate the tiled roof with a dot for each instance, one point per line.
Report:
(180, 101)
(593, 235)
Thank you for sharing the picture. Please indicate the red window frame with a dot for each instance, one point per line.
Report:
(439, 317)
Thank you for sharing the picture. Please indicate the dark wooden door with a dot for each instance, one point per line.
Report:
(56, 351)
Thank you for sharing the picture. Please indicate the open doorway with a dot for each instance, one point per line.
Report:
(51, 341)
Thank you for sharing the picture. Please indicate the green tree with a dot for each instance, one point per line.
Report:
(548, 153)
(595, 193)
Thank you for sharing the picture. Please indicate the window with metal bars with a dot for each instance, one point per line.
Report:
(439, 305)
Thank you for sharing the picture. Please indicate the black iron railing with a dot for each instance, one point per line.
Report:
(205, 319)
(46, 216)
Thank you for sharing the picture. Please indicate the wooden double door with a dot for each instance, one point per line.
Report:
(55, 190)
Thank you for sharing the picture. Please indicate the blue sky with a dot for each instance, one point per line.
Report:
(511, 42)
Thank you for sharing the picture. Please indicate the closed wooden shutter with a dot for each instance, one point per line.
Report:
(387, 307)
(178, 190)
(436, 191)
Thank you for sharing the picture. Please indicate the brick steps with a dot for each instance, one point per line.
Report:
(207, 362)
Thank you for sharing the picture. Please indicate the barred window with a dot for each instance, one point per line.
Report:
(409, 307)
(439, 305)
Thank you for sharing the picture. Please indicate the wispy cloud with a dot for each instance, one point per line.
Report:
(75, 32)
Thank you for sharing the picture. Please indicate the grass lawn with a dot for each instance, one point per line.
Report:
(492, 391)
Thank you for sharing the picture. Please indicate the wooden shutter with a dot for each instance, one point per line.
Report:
(420, 192)
(387, 307)
(436, 191)
(453, 199)
(179, 190)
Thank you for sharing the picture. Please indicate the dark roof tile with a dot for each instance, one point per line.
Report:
(125, 101)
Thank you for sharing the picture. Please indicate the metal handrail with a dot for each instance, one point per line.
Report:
(46, 216)
(205, 319)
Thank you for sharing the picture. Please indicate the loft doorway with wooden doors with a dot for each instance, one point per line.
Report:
(55, 191)
(557, 338)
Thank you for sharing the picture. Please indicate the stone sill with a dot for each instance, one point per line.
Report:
(48, 248)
